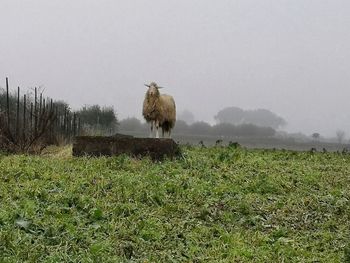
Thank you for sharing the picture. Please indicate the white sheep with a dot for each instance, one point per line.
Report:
(159, 110)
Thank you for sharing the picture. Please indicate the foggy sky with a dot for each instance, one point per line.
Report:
(289, 56)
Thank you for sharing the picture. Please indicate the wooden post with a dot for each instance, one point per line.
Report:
(31, 117)
(42, 114)
(35, 112)
(79, 127)
(7, 104)
(24, 118)
(56, 131)
(74, 125)
(40, 103)
(51, 113)
(43, 110)
(17, 117)
(39, 113)
(51, 105)
(67, 125)
(64, 120)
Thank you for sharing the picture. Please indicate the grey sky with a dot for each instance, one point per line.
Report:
(292, 57)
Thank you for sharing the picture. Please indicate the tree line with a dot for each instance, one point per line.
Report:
(134, 125)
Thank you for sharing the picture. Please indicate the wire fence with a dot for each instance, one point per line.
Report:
(30, 121)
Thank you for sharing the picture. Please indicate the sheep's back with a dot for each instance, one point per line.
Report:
(168, 107)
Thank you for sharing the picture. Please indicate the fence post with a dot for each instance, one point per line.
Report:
(31, 117)
(7, 104)
(51, 113)
(74, 125)
(40, 117)
(17, 117)
(67, 126)
(79, 127)
(24, 118)
(40, 103)
(35, 112)
(57, 121)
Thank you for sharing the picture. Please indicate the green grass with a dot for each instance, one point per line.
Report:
(214, 205)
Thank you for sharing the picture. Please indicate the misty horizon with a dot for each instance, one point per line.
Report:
(290, 57)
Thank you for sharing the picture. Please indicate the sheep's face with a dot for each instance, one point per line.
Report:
(153, 91)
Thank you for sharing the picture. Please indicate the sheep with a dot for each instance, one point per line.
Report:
(159, 110)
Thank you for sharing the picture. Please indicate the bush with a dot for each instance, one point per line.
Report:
(97, 120)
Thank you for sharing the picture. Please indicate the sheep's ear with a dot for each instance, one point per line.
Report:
(147, 85)
(160, 87)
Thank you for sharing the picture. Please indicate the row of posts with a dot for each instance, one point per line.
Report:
(39, 115)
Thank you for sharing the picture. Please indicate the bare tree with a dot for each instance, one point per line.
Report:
(340, 135)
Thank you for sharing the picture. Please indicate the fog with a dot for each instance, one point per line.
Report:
(289, 56)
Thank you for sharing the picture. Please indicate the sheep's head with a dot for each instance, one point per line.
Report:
(153, 89)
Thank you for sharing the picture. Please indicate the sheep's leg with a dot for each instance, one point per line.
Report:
(157, 129)
(151, 133)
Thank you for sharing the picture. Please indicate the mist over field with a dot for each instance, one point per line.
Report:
(252, 167)
(290, 57)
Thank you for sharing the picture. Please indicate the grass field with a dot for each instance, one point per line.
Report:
(218, 204)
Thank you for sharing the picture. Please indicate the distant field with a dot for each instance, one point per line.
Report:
(255, 142)
(216, 204)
